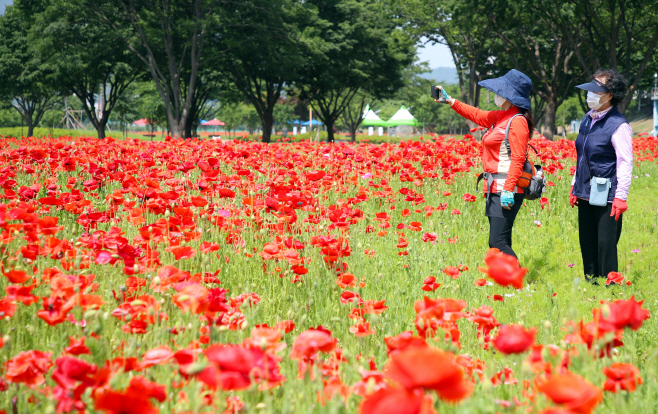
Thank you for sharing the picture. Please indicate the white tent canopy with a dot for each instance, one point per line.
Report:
(403, 117)
(372, 119)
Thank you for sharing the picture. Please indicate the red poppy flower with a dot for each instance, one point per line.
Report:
(193, 297)
(468, 197)
(573, 392)
(504, 270)
(624, 313)
(115, 402)
(182, 252)
(156, 356)
(429, 368)
(310, 342)
(77, 347)
(514, 339)
(285, 326)
(480, 282)
(390, 400)
(614, 277)
(625, 377)
(346, 280)
(348, 296)
(429, 237)
(17, 276)
(403, 340)
(28, 368)
(362, 329)
(452, 271)
(430, 285)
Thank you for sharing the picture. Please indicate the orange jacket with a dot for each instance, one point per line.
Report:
(495, 158)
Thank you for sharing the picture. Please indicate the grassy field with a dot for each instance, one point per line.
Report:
(259, 197)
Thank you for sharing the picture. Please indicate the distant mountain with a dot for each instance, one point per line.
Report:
(442, 75)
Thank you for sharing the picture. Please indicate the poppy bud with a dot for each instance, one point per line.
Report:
(96, 328)
(547, 324)
(196, 367)
(6, 340)
(156, 280)
(106, 316)
(605, 311)
(115, 256)
(90, 314)
(136, 268)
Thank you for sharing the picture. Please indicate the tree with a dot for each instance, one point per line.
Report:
(353, 114)
(284, 112)
(23, 85)
(535, 47)
(263, 52)
(462, 26)
(353, 46)
(620, 34)
(84, 58)
(169, 37)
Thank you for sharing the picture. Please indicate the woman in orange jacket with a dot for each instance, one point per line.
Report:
(502, 170)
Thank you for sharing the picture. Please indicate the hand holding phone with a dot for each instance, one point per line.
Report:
(439, 94)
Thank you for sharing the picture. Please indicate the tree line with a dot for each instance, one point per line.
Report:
(335, 55)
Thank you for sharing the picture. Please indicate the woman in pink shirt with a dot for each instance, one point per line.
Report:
(603, 173)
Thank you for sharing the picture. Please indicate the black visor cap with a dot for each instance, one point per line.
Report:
(593, 86)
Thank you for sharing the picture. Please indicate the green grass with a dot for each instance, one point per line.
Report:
(73, 133)
(546, 250)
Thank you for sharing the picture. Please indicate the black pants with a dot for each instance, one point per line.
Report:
(599, 234)
(501, 222)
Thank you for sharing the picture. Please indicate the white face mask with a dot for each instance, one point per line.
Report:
(593, 101)
(499, 101)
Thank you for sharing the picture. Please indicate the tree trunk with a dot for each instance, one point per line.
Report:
(100, 128)
(329, 123)
(267, 120)
(549, 118)
(188, 129)
(30, 130)
(352, 134)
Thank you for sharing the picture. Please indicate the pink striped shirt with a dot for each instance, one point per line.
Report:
(622, 141)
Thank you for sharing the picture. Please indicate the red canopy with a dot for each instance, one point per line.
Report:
(141, 122)
(214, 122)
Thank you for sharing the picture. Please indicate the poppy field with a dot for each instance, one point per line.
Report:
(239, 277)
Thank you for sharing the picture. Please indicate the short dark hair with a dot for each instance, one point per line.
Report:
(615, 82)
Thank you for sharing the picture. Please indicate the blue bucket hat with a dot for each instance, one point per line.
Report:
(514, 86)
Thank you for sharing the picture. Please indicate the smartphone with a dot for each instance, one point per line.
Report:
(435, 92)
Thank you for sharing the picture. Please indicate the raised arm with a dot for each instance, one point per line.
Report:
(480, 117)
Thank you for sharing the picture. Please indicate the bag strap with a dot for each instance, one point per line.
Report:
(509, 125)
(589, 128)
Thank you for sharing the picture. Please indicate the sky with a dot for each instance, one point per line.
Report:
(3, 4)
(437, 55)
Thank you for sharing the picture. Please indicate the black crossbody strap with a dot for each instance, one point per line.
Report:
(509, 125)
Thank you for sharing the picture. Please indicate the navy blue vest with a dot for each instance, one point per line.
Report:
(599, 152)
